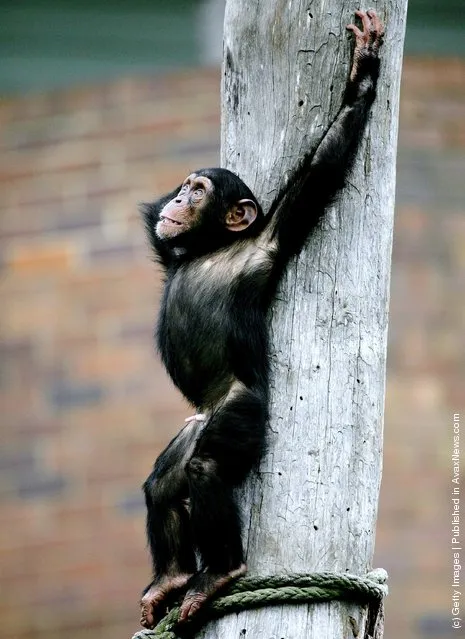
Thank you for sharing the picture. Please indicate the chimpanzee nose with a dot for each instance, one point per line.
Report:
(178, 200)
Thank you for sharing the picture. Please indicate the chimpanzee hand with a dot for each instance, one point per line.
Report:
(367, 42)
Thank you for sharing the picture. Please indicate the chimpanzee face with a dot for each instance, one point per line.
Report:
(184, 212)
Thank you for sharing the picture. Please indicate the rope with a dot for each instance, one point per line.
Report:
(257, 592)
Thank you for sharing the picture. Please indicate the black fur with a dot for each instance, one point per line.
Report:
(213, 340)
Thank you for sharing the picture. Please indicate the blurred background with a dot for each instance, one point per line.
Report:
(105, 104)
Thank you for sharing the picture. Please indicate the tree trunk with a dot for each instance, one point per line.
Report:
(312, 506)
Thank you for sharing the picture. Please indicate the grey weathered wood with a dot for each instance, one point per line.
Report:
(313, 504)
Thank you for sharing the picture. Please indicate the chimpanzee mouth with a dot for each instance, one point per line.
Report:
(168, 220)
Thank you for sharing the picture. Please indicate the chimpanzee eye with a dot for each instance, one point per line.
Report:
(198, 192)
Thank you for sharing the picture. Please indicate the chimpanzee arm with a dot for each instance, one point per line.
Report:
(321, 174)
(150, 212)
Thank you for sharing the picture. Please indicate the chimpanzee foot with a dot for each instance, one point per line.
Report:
(153, 600)
(203, 586)
(368, 41)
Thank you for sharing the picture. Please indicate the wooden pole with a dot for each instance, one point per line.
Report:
(312, 506)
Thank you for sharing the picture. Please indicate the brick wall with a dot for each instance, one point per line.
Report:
(81, 389)
(426, 352)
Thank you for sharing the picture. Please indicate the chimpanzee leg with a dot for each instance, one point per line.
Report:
(168, 530)
(229, 446)
(168, 527)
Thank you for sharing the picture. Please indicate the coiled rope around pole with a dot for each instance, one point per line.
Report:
(258, 592)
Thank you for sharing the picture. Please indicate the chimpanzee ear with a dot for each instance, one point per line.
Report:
(241, 215)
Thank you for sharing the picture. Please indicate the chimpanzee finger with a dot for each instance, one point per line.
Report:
(376, 22)
(356, 31)
(366, 22)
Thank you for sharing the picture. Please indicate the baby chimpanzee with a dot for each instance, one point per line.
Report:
(223, 259)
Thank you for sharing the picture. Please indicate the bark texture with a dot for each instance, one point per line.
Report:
(313, 504)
